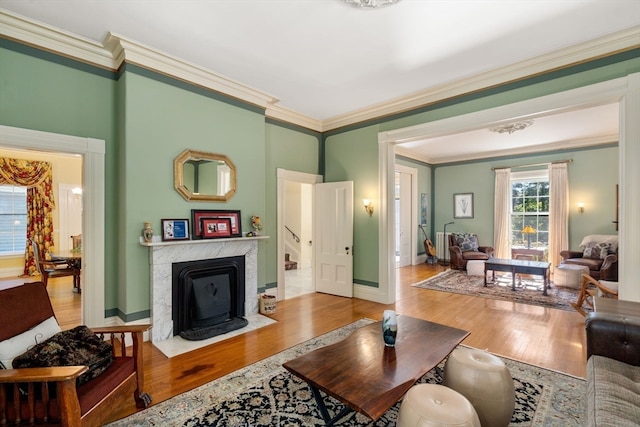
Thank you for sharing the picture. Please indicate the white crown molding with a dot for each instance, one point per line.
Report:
(543, 148)
(124, 49)
(117, 49)
(287, 115)
(25, 30)
(619, 41)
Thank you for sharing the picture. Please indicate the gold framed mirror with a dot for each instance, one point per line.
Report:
(202, 176)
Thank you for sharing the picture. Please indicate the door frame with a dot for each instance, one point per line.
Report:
(625, 91)
(282, 176)
(413, 172)
(93, 183)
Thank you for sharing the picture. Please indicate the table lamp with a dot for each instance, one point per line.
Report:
(528, 230)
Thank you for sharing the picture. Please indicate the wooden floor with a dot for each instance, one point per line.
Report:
(551, 338)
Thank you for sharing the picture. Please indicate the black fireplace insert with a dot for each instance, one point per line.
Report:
(208, 297)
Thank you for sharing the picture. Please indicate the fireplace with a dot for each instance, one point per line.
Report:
(208, 297)
(162, 256)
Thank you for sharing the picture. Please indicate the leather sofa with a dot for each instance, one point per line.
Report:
(613, 370)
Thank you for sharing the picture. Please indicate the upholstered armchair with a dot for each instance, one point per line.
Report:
(86, 393)
(464, 247)
(599, 253)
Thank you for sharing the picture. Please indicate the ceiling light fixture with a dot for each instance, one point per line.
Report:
(512, 127)
(371, 4)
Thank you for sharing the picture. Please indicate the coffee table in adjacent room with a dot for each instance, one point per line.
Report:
(516, 266)
(368, 377)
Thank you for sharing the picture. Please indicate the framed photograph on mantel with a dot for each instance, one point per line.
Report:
(215, 228)
(233, 216)
(463, 205)
(175, 229)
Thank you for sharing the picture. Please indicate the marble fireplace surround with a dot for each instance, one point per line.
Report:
(162, 255)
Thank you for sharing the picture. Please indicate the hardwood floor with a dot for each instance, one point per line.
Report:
(554, 339)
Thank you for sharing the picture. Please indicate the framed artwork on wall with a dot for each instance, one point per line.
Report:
(463, 205)
(424, 207)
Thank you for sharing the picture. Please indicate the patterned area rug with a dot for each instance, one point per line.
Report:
(528, 291)
(265, 394)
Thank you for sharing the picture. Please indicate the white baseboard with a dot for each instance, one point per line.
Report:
(11, 272)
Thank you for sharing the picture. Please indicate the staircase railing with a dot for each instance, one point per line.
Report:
(295, 236)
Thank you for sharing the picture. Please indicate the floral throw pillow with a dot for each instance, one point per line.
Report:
(77, 346)
(467, 242)
(596, 250)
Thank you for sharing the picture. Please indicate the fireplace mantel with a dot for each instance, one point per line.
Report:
(162, 254)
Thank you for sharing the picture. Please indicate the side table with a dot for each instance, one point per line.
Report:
(615, 306)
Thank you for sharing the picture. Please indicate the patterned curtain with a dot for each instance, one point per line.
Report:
(37, 177)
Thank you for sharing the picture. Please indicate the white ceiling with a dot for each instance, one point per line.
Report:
(324, 58)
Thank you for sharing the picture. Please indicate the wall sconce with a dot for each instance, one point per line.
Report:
(368, 206)
(581, 207)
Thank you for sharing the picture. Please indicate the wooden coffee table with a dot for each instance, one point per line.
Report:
(368, 377)
(516, 266)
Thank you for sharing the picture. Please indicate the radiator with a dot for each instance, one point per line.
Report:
(441, 244)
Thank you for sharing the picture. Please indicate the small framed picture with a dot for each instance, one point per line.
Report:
(175, 229)
(463, 205)
(198, 215)
(215, 228)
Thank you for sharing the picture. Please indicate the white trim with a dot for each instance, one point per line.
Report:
(625, 91)
(282, 176)
(47, 37)
(93, 175)
(619, 41)
(116, 49)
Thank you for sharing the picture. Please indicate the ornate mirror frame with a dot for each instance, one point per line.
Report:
(198, 156)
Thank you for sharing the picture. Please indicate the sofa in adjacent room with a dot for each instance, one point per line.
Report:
(613, 370)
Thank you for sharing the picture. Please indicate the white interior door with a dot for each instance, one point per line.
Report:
(70, 215)
(333, 238)
(404, 220)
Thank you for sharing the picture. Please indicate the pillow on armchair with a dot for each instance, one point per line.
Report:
(596, 250)
(467, 242)
(75, 347)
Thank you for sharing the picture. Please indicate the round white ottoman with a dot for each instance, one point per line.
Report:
(475, 267)
(432, 405)
(485, 381)
(569, 275)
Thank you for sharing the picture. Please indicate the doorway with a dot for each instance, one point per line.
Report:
(93, 179)
(295, 229)
(624, 91)
(406, 193)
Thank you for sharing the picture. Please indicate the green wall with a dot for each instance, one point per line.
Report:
(49, 93)
(353, 156)
(595, 189)
(147, 119)
(291, 149)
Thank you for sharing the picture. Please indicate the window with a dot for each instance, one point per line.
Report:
(13, 219)
(530, 207)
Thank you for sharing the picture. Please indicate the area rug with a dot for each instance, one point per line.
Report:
(529, 291)
(266, 395)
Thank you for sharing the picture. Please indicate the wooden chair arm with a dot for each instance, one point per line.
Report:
(121, 329)
(50, 374)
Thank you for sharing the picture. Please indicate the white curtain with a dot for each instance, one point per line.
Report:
(558, 211)
(502, 214)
